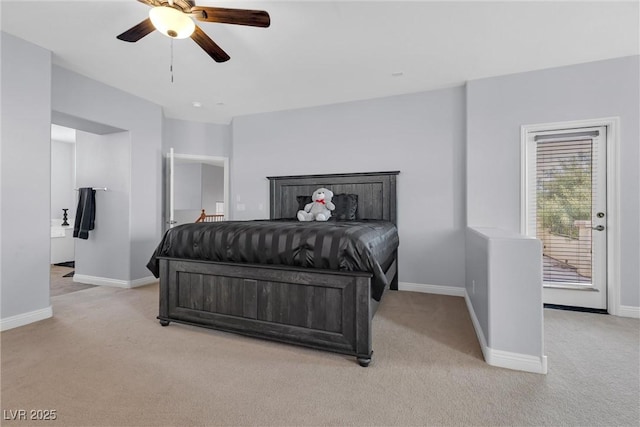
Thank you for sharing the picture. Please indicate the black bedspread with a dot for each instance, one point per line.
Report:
(367, 246)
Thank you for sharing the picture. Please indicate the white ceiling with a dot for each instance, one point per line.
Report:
(322, 52)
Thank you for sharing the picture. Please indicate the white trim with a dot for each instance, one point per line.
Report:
(504, 359)
(171, 196)
(516, 361)
(114, 283)
(227, 207)
(25, 318)
(143, 281)
(613, 194)
(613, 209)
(524, 174)
(453, 291)
(629, 311)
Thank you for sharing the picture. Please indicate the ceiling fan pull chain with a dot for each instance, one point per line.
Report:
(171, 66)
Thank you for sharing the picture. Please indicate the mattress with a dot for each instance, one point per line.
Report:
(364, 246)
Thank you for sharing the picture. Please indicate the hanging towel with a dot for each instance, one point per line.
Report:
(86, 213)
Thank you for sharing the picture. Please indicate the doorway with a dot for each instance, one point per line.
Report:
(63, 177)
(570, 204)
(195, 183)
(98, 156)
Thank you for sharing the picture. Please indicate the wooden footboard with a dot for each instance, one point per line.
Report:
(314, 308)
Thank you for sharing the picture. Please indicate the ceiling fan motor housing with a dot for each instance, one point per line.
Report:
(172, 22)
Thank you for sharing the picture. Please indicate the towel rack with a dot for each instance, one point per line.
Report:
(95, 188)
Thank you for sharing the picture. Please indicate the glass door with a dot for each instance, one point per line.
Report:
(567, 211)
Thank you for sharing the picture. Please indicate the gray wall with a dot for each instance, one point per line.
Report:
(63, 179)
(25, 205)
(187, 187)
(104, 161)
(497, 107)
(187, 184)
(196, 186)
(204, 139)
(422, 135)
(477, 275)
(212, 187)
(81, 97)
(504, 273)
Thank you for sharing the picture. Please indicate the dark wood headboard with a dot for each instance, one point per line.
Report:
(376, 192)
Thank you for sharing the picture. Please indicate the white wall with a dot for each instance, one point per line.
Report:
(421, 135)
(25, 166)
(63, 170)
(498, 106)
(104, 161)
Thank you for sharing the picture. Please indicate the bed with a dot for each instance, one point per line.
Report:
(282, 280)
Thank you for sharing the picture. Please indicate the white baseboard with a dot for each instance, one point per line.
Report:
(516, 361)
(505, 359)
(629, 311)
(143, 281)
(115, 283)
(453, 291)
(25, 318)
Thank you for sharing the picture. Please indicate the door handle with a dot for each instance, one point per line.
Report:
(598, 227)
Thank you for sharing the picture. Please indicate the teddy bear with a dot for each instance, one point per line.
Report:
(320, 208)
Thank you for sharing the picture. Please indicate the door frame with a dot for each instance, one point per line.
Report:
(612, 125)
(196, 158)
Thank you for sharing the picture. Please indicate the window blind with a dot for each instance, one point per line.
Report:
(560, 204)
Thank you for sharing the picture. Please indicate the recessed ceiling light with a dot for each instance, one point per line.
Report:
(197, 104)
(397, 74)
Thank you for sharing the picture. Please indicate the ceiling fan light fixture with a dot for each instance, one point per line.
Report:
(172, 22)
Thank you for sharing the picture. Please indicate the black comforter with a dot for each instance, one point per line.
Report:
(367, 246)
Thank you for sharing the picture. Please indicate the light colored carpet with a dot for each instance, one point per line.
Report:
(61, 285)
(104, 360)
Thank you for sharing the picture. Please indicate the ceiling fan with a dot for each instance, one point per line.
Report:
(173, 18)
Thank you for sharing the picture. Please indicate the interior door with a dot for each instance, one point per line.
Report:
(567, 201)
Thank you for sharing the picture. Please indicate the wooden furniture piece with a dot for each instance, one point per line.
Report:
(204, 217)
(323, 309)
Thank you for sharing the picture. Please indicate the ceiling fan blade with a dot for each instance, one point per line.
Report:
(254, 18)
(151, 3)
(183, 5)
(209, 46)
(139, 31)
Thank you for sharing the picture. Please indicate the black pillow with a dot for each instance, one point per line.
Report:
(303, 201)
(346, 207)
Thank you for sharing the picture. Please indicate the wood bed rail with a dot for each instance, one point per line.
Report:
(204, 217)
